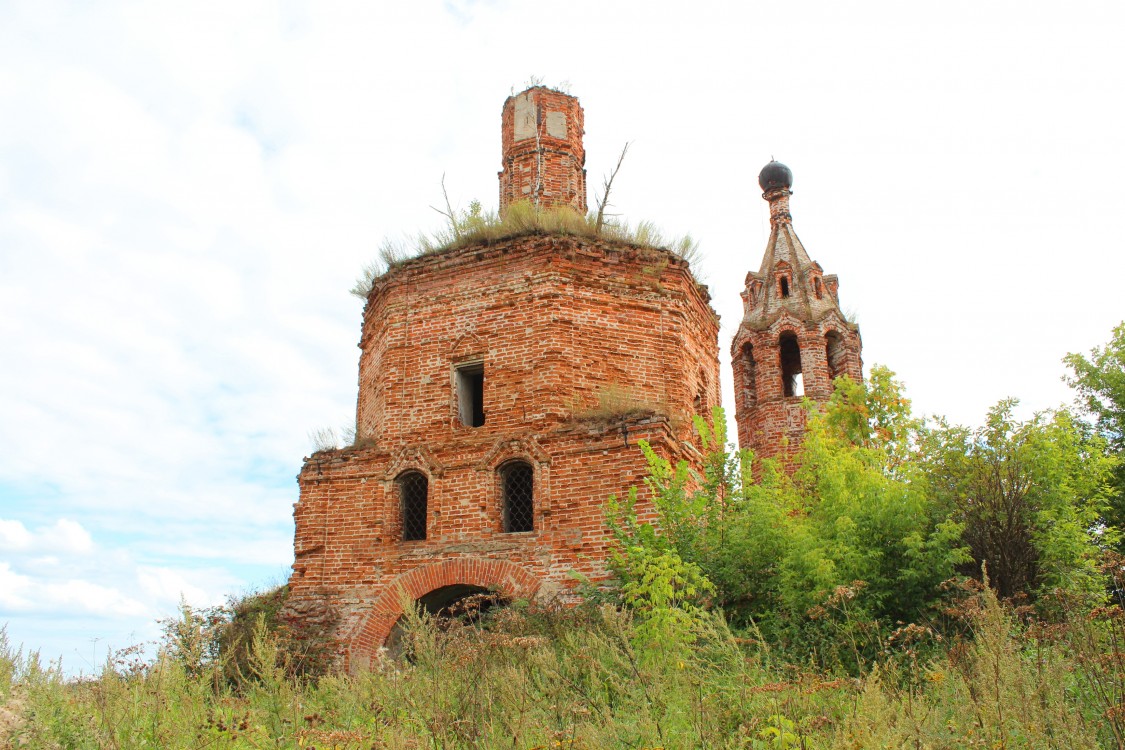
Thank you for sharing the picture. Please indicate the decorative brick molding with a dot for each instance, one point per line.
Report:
(507, 449)
(413, 457)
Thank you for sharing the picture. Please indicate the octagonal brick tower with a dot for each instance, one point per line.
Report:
(793, 340)
(503, 388)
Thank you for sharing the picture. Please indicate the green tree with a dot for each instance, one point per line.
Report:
(1100, 382)
(1029, 495)
(864, 507)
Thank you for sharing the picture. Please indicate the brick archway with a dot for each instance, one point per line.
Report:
(501, 575)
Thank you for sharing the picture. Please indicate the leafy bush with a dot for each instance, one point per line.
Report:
(825, 562)
(218, 642)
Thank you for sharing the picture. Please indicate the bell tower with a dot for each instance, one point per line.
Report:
(793, 340)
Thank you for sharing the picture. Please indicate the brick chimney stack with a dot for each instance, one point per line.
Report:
(543, 157)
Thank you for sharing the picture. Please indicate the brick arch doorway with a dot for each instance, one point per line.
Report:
(458, 601)
(435, 584)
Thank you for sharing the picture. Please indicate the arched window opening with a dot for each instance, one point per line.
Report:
(784, 284)
(413, 493)
(834, 351)
(792, 383)
(749, 375)
(517, 480)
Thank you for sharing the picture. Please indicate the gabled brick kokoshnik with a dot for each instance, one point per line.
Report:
(502, 390)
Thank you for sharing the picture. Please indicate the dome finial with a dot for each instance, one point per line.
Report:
(775, 176)
(775, 180)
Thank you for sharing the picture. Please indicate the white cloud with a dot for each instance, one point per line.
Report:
(72, 597)
(86, 596)
(14, 536)
(200, 588)
(64, 536)
(12, 588)
(68, 537)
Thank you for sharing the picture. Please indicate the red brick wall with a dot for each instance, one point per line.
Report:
(543, 157)
(770, 423)
(557, 322)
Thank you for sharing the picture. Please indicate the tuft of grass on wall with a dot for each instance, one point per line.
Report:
(521, 219)
(617, 402)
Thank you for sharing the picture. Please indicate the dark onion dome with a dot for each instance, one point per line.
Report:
(775, 175)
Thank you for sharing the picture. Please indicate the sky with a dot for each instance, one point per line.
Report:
(189, 190)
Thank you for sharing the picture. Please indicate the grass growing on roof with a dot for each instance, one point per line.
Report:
(476, 226)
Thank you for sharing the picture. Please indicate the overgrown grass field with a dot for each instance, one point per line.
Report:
(589, 678)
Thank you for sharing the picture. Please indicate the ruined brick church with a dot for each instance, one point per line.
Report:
(484, 453)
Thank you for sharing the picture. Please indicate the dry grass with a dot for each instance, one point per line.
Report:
(521, 219)
(615, 402)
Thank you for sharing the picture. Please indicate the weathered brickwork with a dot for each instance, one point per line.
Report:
(557, 323)
(544, 161)
(504, 386)
(553, 353)
(792, 325)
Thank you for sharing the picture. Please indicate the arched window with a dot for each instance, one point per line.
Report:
(413, 493)
(834, 351)
(517, 481)
(792, 383)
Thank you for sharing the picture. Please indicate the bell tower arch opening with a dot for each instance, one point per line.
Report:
(792, 379)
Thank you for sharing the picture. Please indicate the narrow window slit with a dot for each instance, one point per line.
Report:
(470, 394)
(834, 354)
